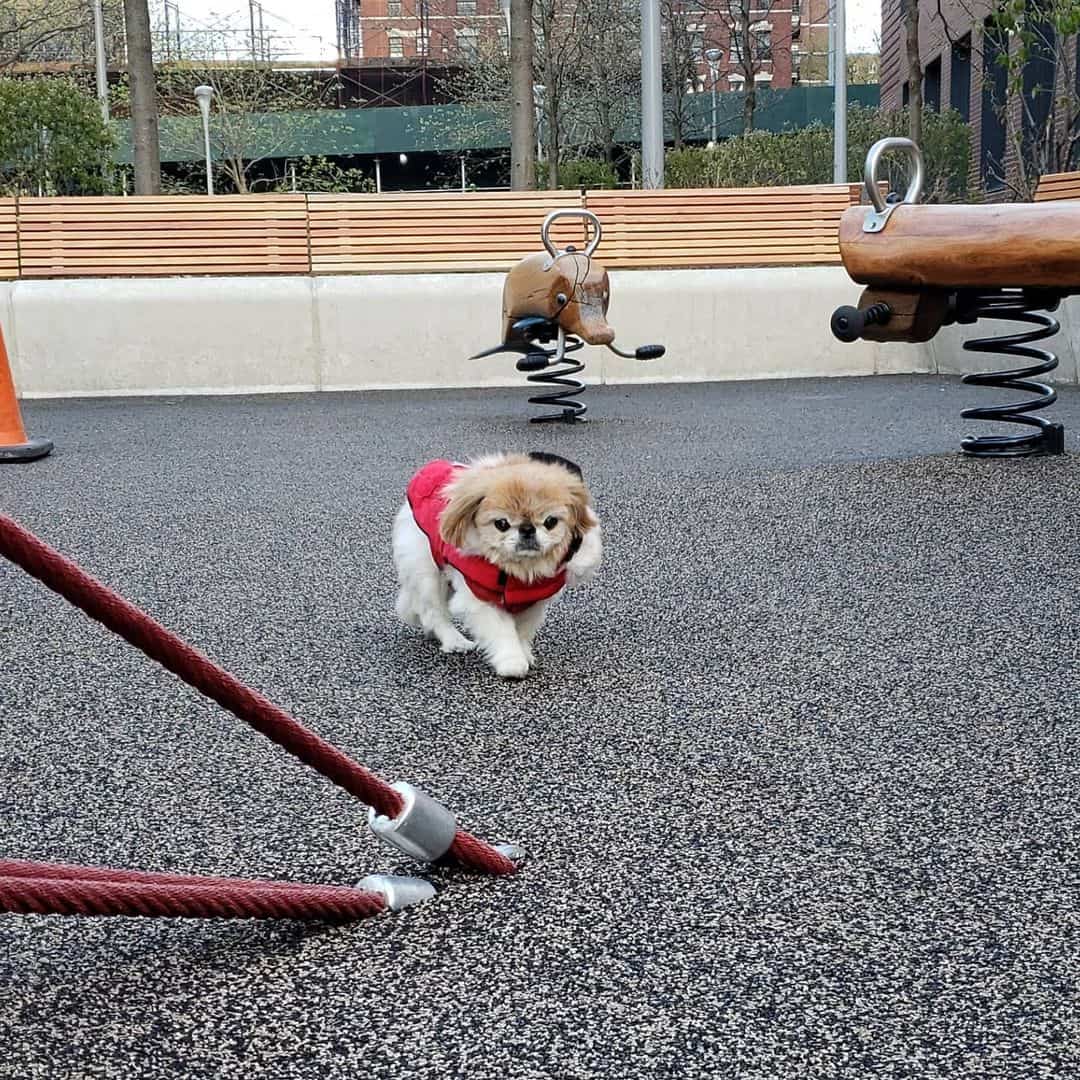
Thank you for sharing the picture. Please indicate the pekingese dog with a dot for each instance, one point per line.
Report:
(490, 544)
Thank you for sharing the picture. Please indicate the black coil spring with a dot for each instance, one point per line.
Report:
(560, 375)
(1015, 306)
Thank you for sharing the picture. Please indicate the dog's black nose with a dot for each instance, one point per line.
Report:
(526, 529)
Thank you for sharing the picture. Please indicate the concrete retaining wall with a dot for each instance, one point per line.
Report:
(268, 334)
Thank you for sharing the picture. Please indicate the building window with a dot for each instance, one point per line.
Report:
(393, 9)
(932, 85)
(905, 96)
(397, 45)
(423, 42)
(468, 44)
(762, 44)
(466, 7)
(995, 87)
(960, 78)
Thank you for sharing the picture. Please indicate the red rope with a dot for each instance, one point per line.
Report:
(18, 868)
(137, 628)
(79, 896)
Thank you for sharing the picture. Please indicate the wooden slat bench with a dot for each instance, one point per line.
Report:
(1055, 186)
(160, 236)
(393, 233)
(9, 240)
(721, 226)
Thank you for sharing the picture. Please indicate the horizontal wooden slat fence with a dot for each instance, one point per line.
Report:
(1055, 186)
(722, 226)
(152, 236)
(163, 236)
(9, 240)
(416, 233)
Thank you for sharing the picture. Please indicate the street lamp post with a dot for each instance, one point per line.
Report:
(538, 106)
(99, 60)
(504, 6)
(840, 95)
(712, 58)
(652, 101)
(203, 95)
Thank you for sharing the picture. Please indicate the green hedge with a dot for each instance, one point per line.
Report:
(805, 156)
(52, 139)
(576, 173)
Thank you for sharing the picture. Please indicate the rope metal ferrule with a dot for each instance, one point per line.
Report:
(423, 829)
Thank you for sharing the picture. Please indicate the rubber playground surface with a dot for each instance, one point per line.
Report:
(799, 774)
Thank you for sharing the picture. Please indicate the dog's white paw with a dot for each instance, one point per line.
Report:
(455, 643)
(511, 667)
(530, 656)
(405, 611)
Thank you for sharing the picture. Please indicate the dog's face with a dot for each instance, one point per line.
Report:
(518, 513)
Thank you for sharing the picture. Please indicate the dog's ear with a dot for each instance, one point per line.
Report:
(555, 459)
(464, 496)
(581, 512)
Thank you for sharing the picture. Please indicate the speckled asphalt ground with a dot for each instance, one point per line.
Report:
(799, 773)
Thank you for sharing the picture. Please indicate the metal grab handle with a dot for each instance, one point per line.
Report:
(870, 177)
(588, 215)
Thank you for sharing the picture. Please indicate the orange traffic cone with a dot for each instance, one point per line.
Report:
(14, 445)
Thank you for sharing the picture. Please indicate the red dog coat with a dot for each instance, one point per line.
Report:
(485, 579)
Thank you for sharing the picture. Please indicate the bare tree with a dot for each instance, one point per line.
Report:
(682, 48)
(523, 108)
(559, 43)
(1035, 44)
(585, 71)
(910, 10)
(606, 81)
(1038, 47)
(255, 112)
(144, 109)
(751, 45)
(43, 31)
(37, 29)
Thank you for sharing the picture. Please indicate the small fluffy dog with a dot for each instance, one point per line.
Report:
(490, 544)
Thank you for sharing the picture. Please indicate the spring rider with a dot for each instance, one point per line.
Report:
(929, 266)
(561, 297)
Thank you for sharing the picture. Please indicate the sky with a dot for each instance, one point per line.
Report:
(310, 25)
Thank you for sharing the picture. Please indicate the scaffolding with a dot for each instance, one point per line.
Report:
(349, 40)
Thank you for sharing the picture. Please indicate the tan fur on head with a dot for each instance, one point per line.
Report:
(493, 504)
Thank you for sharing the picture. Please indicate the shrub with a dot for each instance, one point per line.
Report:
(805, 156)
(52, 139)
(584, 172)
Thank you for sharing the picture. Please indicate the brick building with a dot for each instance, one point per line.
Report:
(810, 41)
(960, 51)
(788, 38)
(436, 30)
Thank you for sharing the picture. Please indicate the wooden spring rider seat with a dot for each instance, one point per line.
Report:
(928, 266)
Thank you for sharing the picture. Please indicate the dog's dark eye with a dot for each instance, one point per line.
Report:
(501, 524)
(550, 523)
